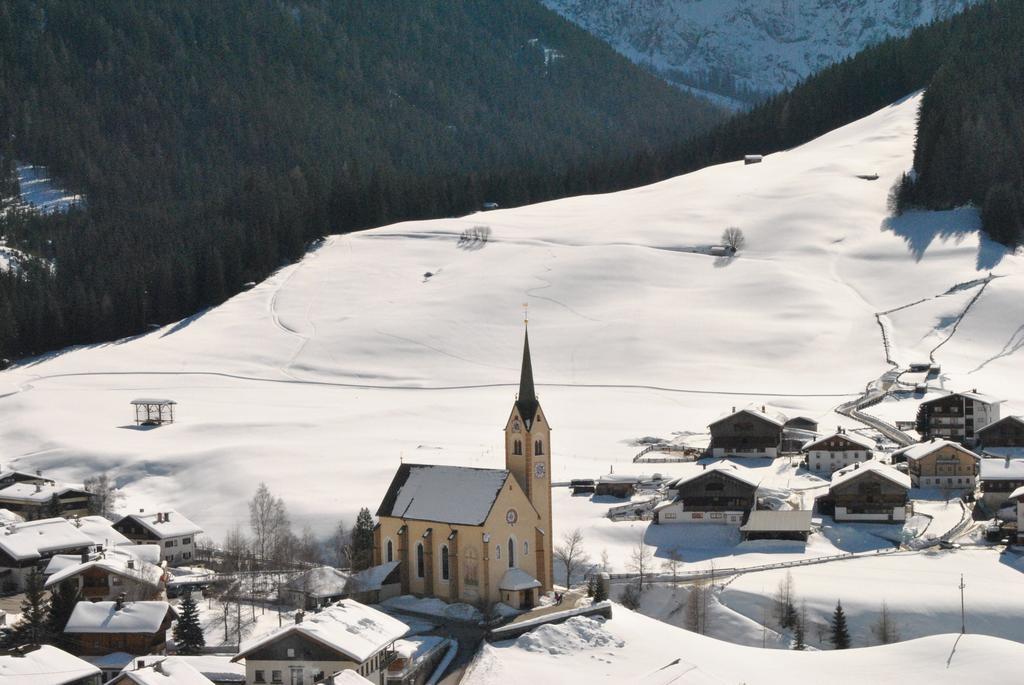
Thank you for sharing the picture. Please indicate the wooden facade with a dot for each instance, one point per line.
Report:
(746, 433)
(868, 496)
(100, 644)
(946, 466)
(1006, 432)
(715, 496)
(957, 417)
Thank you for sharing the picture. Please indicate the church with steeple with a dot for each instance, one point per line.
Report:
(475, 535)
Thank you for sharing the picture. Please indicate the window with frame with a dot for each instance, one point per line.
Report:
(390, 551)
(511, 553)
(420, 565)
(260, 677)
(276, 677)
(517, 447)
(538, 447)
(445, 565)
(169, 543)
(186, 541)
(717, 515)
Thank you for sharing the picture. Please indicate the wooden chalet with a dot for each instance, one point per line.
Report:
(99, 628)
(1000, 476)
(747, 433)
(957, 416)
(1006, 432)
(940, 464)
(716, 495)
(829, 454)
(46, 665)
(107, 574)
(870, 491)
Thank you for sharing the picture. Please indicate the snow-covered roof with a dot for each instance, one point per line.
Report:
(1002, 469)
(859, 469)
(217, 667)
(109, 662)
(151, 400)
(923, 449)
(322, 581)
(768, 414)
(113, 560)
(105, 617)
(171, 524)
(1018, 493)
(852, 437)
(1005, 419)
(32, 539)
(22, 475)
(46, 665)
(102, 531)
(619, 478)
(351, 628)
(170, 670)
(449, 494)
(38, 493)
(517, 579)
(373, 578)
(349, 677)
(770, 521)
(8, 516)
(725, 468)
(972, 395)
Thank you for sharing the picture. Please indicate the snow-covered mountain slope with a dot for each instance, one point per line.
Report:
(631, 648)
(322, 378)
(747, 47)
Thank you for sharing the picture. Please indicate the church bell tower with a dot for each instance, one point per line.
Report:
(528, 454)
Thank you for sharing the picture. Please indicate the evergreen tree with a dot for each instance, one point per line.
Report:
(62, 602)
(840, 634)
(799, 636)
(188, 633)
(33, 627)
(362, 540)
(600, 590)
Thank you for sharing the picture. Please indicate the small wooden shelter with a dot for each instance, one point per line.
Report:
(153, 412)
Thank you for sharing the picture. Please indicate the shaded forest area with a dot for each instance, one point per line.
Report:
(214, 141)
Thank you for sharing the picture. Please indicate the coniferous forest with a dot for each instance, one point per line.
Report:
(215, 141)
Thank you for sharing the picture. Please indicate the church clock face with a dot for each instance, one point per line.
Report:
(511, 516)
(539, 470)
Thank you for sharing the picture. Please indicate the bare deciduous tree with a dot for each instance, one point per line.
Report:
(308, 547)
(673, 563)
(885, 629)
(104, 494)
(733, 237)
(236, 549)
(696, 608)
(571, 555)
(269, 522)
(641, 561)
(341, 545)
(785, 602)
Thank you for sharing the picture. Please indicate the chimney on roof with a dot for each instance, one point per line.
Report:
(763, 409)
(39, 472)
(167, 516)
(158, 667)
(298, 617)
(131, 563)
(140, 663)
(734, 410)
(39, 488)
(119, 602)
(85, 557)
(141, 510)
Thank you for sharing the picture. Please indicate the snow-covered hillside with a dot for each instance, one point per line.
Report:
(322, 378)
(758, 46)
(631, 648)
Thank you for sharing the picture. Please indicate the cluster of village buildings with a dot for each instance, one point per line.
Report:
(469, 535)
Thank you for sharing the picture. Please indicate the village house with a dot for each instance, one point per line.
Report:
(175, 534)
(35, 499)
(324, 585)
(940, 464)
(100, 628)
(957, 416)
(218, 669)
(999, 477)
(46, 665)
(344, 636)
(476, 535)
(1018, 497)
(1007, 432)
(25, 547)
(750, 432)
(837, 451)
(869, 491)
(109, 573)
(617, 485)
(416, 659)
(720, 494)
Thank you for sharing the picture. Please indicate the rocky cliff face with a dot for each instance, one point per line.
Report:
(742, 50)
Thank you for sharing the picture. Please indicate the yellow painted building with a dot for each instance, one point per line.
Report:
(476, 535)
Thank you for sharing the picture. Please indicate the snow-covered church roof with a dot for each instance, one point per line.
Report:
(448, 494)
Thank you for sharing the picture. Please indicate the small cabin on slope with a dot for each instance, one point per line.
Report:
(715, 495)
(748, 432)
(871, 491)
(827, 455)
(1006, 432)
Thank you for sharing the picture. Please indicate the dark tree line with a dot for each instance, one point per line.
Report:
(215, 142)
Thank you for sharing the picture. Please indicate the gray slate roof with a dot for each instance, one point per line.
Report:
(447, 494)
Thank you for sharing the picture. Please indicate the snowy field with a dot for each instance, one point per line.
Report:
(632, 648)
(322, 378)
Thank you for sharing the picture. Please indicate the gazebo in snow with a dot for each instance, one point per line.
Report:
(151, 412)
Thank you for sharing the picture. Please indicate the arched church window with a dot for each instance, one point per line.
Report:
(517, 447)
(511, 553)
(420, 571)
(390, 551)
(445, 568)
(526, 548)
(538, 447)
(497, 551)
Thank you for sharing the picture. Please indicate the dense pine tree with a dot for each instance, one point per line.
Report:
(840, 637)
(362, 541)
(188, 632)
(62, 602)
(33, 627)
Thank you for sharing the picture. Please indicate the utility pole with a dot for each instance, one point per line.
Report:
(963, 615)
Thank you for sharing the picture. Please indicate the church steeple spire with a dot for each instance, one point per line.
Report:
(527, 399)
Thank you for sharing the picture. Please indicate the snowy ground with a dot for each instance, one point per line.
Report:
(39, 193)
(321, 379)
(632, 648)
